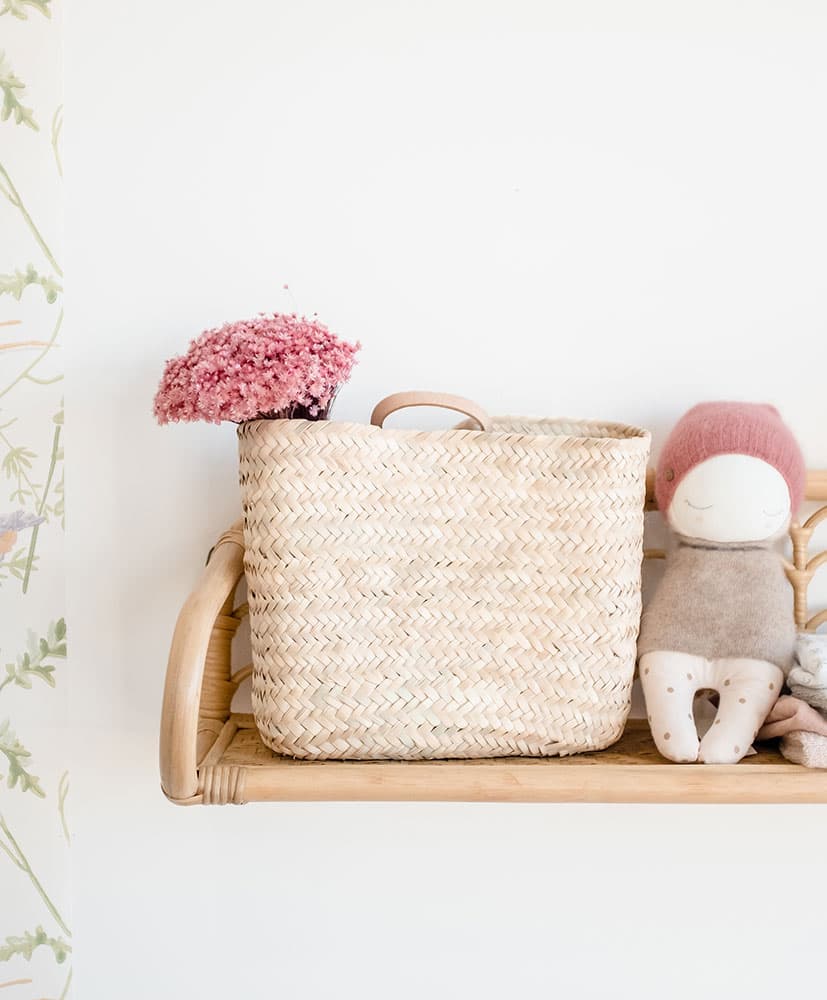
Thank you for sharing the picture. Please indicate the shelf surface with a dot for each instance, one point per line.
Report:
(239, 768)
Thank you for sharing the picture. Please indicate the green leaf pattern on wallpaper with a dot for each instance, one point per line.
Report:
(35, 938)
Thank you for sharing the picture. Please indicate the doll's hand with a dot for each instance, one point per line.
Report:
(7, 541)
(791, 715)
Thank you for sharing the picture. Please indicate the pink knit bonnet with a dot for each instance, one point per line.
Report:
(724, 428)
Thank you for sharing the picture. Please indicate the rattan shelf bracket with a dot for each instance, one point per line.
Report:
(199, 686)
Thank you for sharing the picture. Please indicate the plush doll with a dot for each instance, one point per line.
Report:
(728, 478)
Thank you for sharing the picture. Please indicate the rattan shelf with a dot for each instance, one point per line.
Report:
(211, 755)
(240, 768)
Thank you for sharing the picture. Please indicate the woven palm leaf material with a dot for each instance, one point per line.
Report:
(454, 594)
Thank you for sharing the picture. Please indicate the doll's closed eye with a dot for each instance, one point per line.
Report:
(775, 513)
(696, 507)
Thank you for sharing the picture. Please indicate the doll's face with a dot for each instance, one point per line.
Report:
(731, 498)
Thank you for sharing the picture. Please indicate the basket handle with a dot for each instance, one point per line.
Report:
(400, 400)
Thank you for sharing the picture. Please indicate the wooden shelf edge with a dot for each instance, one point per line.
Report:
(612, 783)
(239, 770)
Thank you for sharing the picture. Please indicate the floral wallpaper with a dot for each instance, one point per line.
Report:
(35, 935)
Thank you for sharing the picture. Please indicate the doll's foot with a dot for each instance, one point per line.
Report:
(748, 689)
(724, 751)
(682, 751)
(669, 683)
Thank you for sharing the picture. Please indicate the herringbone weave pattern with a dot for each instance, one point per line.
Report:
(442, 594)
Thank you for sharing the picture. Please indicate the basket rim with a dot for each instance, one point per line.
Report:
(616, 432)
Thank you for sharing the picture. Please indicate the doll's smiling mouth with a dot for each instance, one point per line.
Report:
(695, 506)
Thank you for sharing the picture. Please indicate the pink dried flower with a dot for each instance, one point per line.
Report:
(271, 366)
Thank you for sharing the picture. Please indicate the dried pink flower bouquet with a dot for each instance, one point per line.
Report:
(273, 366)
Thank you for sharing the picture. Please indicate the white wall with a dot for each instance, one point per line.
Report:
(563, 207)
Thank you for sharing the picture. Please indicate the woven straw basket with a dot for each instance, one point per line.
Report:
(457, 593)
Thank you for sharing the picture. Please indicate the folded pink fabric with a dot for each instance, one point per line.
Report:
(803, 730)
(792, 715)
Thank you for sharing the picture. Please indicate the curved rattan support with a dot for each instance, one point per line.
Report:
(817, 621)
(804, 566)
(198, 688)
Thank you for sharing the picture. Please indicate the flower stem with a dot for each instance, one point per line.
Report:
(22, 863)
(66, 986)
(62, 792)
(12, 857)
(33, 541)
(57, 128)
(44, 351)
(10, 191)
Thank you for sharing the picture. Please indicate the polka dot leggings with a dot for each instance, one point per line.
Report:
(747, 688)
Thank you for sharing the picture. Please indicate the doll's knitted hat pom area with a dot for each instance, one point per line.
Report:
(730, 428)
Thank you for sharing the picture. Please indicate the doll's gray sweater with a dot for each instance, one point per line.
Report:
(722, 602)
